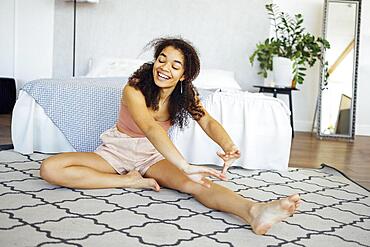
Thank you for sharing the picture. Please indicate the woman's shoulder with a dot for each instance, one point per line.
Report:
(128, 89)
(130, 93)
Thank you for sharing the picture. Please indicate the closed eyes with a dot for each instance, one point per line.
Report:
(162, 59)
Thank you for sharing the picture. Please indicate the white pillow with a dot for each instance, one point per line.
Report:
(216, 79)
(114, 67)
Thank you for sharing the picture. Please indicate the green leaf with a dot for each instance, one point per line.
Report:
(290, 40)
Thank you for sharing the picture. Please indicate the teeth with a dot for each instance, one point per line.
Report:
(163, 76)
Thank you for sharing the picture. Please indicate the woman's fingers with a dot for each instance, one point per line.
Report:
(201, 180)
(228, 160)
(214, 173)
(229, 155)
(198, 178)
(205, 184)
(224, 170)
(221, 154)
(204, 172)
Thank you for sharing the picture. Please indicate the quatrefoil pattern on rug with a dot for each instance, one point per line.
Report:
(334, 211)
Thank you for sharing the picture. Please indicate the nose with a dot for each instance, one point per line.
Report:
(165, 66)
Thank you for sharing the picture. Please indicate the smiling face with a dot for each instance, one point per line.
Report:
(169, 68)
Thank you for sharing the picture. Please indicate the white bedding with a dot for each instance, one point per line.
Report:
(258, 124)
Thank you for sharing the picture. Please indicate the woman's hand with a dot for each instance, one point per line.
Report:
(229, 157)
(199, 173)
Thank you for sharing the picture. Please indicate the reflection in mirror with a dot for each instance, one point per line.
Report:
(337, 99)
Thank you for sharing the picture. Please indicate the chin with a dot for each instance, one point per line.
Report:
(164, 84)
(158, 83)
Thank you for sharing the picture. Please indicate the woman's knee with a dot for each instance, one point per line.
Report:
(173, 178)
(50, 169)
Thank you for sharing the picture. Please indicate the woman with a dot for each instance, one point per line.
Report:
(137, 152)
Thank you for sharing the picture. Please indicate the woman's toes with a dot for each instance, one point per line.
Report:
(262, 229)
(294, 198)
(153, 184)
(266, 215)
(134, 175)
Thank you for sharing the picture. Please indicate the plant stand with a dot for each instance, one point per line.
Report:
(280, 90)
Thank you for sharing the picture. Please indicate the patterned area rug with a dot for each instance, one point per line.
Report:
(335, 211)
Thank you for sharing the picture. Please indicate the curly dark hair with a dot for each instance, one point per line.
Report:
(183, 105)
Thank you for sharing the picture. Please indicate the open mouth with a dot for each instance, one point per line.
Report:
(162, 76)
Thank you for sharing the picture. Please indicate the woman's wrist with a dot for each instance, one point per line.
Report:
(183, 165)
(230, 147)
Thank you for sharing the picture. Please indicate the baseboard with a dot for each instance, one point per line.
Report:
(306, 126)
(6, 146)
(363, 130)
(302, 126)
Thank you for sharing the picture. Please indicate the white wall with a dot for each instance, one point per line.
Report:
(363, 86)
(28, 28)
(304, 101)
(363, 89)
(225, 32)
(27, 33)
(7, 38)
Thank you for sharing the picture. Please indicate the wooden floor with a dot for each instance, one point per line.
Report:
(5, 135)
(353, 159)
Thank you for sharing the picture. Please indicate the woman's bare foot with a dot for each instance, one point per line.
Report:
(136, 181)
(264, 215)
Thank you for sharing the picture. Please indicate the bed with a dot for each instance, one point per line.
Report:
(67, 115)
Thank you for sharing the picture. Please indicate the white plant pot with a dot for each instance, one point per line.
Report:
(283, 71)
(269, 80)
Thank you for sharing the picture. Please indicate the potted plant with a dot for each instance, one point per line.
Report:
(291, 42)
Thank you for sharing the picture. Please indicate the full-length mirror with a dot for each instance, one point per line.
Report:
(337, 99)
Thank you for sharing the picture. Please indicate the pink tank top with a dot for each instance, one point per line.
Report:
(128, 125)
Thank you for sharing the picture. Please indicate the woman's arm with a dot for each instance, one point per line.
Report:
(215, 131)
(135, 101)
(136, 105)
(219, 135)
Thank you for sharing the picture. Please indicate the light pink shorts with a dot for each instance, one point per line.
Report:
(125, 153)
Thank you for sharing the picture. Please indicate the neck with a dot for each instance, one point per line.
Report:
(165, 94)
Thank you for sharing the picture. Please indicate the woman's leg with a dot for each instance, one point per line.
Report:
(261, 216)
(89, 171)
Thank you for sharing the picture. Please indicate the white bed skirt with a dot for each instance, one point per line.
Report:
(258, 124)
(33, 130)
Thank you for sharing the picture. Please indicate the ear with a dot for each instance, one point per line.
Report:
(182, 78)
